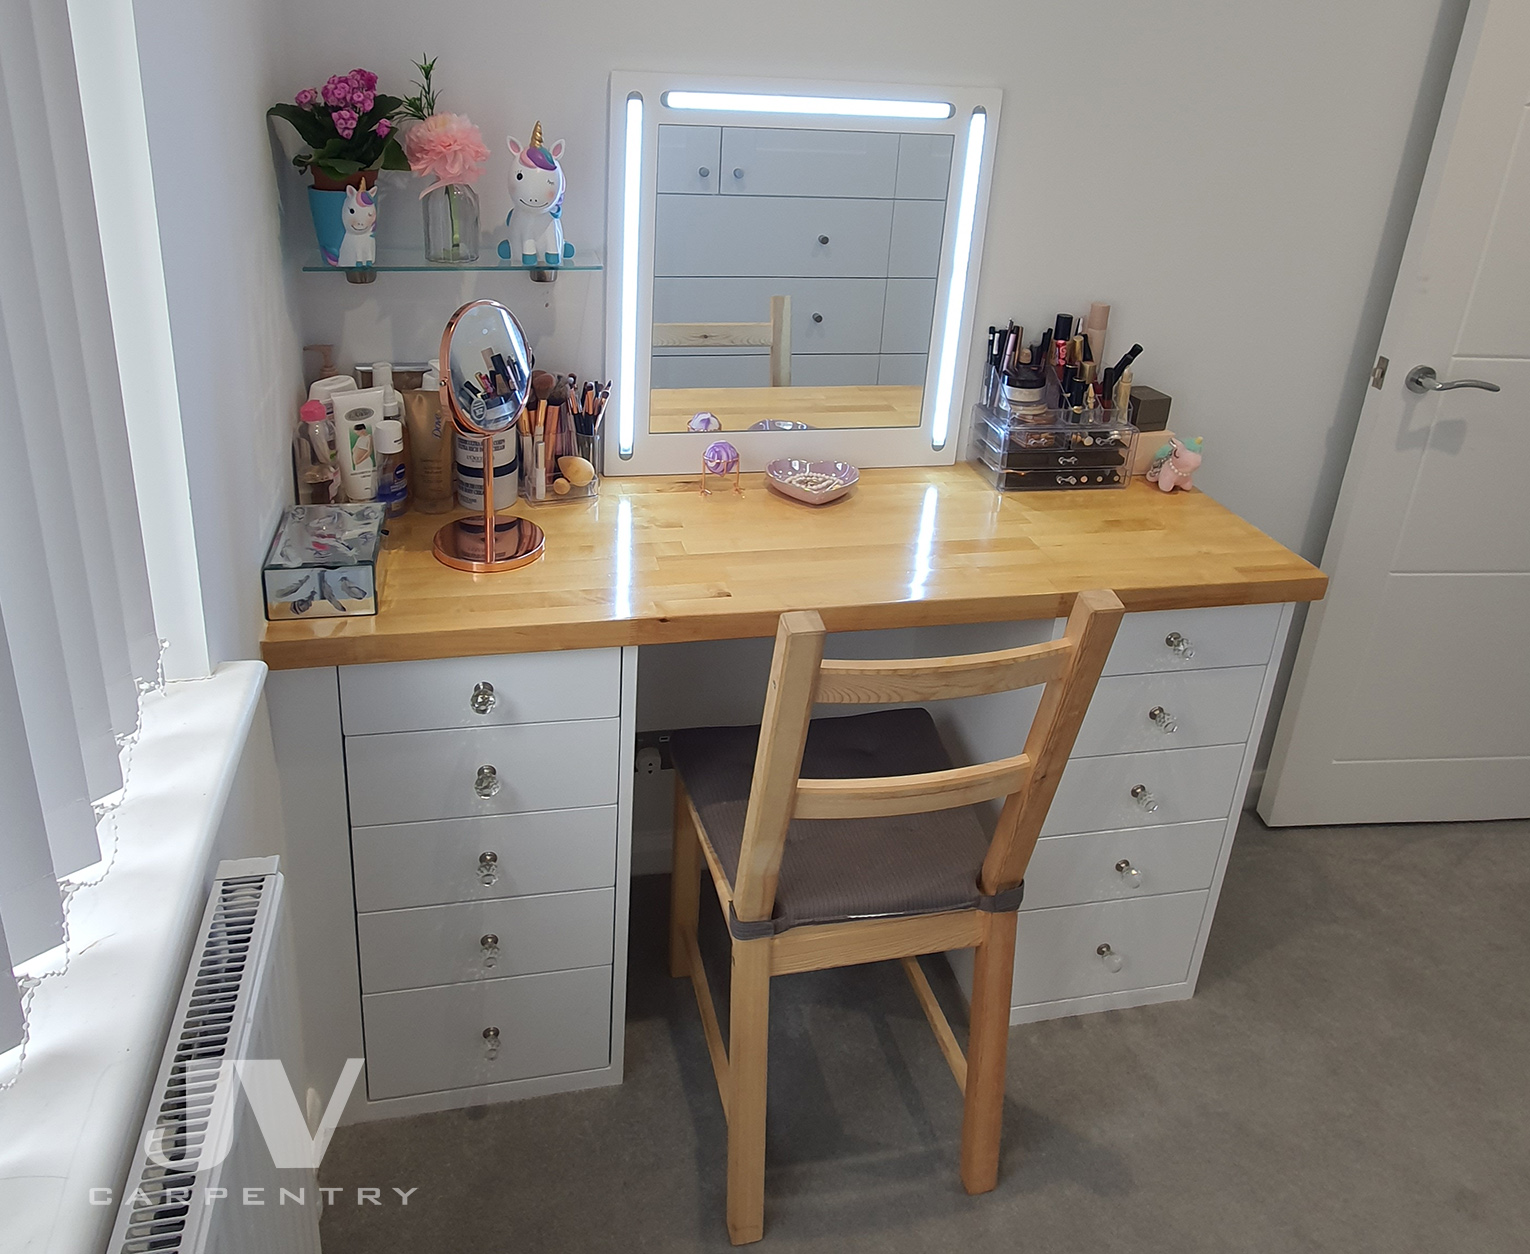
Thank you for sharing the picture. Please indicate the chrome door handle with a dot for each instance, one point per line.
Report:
(1422, 379)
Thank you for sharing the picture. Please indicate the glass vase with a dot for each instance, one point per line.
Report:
(451, 224)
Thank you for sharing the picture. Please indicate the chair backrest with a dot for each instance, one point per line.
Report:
(800, 677)
(775, 335)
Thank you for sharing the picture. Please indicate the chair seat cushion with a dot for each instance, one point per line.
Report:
(834, 870)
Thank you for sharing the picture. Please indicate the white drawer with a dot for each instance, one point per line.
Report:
(742, 236)
(527, 688)
(688, 158)
(924, 166)
(1057, 951)
(444, 944)
(908, 315)
(1095, 794)
(403, 777)
(850, 309)
(916, 233)
(767, 161)
(1069, 870)
(1213, 707)
(429, 1039)
(1226, 635)
(435, 863)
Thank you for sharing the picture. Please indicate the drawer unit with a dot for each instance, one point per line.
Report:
(403, 777)
(768, 161)
(1070, 870)
(1178, 786)
(1151, 941)
(689, 158)
(483, 859)
(484, 940)
(1168, 640)
(480, 691)
(828, 315)
(749, 236)
(430, 1039)
(1170, 710)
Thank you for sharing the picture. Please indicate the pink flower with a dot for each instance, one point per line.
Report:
(345, 122)
(307, 98)
(446, 147)
(363, 79)
(336, 92)
(361, 101)
(383, 128)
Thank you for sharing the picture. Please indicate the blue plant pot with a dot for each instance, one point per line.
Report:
(327, 209)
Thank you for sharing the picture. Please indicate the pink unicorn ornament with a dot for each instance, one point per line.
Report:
(359, 247)
(535, 222)
(1174, 463)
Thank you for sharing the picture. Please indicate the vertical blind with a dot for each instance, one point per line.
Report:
(77, 638)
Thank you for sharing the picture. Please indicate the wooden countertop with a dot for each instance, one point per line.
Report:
(653, 561)
(864, 405)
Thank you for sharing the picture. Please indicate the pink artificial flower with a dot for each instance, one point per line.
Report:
(383, 127)
(361, 101)
(363, 79)
(307, 98)
(345, 122)
(446, 147)
(336, 92)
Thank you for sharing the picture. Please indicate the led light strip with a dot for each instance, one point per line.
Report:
(833, 106)
(956, 297)
(632, 180)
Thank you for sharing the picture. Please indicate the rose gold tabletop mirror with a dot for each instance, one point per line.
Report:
(485, 380)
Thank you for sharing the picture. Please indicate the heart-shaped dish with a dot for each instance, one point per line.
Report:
(813, 483)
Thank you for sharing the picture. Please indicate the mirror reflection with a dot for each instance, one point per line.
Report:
(794, 258)
(490, 365)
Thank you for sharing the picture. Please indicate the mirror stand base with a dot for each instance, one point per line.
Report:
(462, 544)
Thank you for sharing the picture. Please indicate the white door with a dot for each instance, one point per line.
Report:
(1411, 695)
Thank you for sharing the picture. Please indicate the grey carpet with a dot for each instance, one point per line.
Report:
(1350, 1076)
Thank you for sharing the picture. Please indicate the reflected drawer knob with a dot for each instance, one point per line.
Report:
(823, 239)
(1144, 798)
(704, 172)
(486, 784)
(489, 943)
(1179, 646)
(1112, 960)
(1165, 721)
(738, 172)
(817, 317)
(1130, 874)
(483, 699)
(491, 1043)
(488, 868)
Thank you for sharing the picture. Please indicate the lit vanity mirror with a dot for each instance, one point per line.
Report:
(795, 265)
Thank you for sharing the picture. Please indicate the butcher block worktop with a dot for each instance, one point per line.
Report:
(652, 561)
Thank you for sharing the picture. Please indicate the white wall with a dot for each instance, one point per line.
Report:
(1236, 179)
(209, 72)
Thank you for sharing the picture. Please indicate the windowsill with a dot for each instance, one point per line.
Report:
(70, 1122)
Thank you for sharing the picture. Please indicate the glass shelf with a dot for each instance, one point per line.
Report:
(409, 261)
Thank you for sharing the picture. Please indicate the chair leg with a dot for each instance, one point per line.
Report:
(684, 884)
(987, 1049)
(748, 1034)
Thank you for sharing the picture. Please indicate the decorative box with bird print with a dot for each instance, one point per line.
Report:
(324, 562)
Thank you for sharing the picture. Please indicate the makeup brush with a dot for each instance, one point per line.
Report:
(557, 437)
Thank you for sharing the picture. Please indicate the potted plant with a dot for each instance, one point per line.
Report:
(448, 151)
(347, 126)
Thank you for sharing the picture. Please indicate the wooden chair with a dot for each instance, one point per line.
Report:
(839, 841)
(775, 335)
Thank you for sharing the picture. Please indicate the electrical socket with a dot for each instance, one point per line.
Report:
(657, 741)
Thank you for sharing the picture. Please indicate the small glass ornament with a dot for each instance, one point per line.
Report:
(451, 224)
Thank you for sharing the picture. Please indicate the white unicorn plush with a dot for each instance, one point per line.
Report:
(535, 222)
(359, 248)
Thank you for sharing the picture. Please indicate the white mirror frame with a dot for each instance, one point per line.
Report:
(637, 109)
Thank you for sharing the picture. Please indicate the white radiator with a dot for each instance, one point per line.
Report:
(215, 1189)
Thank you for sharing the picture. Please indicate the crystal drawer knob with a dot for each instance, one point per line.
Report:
(489, 943)
(738, 172)
(483, 699)
(704, 172)
(817, 317)
(1144, 798)
(1112, 960)
(487, 784)
(488, 868)
(1179, 646)
(1163, 720)
(1130, 874)
(491, 1043)
(823, 239)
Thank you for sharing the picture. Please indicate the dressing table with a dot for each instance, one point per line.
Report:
(458, 777)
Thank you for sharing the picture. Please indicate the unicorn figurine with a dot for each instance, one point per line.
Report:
(359, 248)
(1174, 463)
(535, 222)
